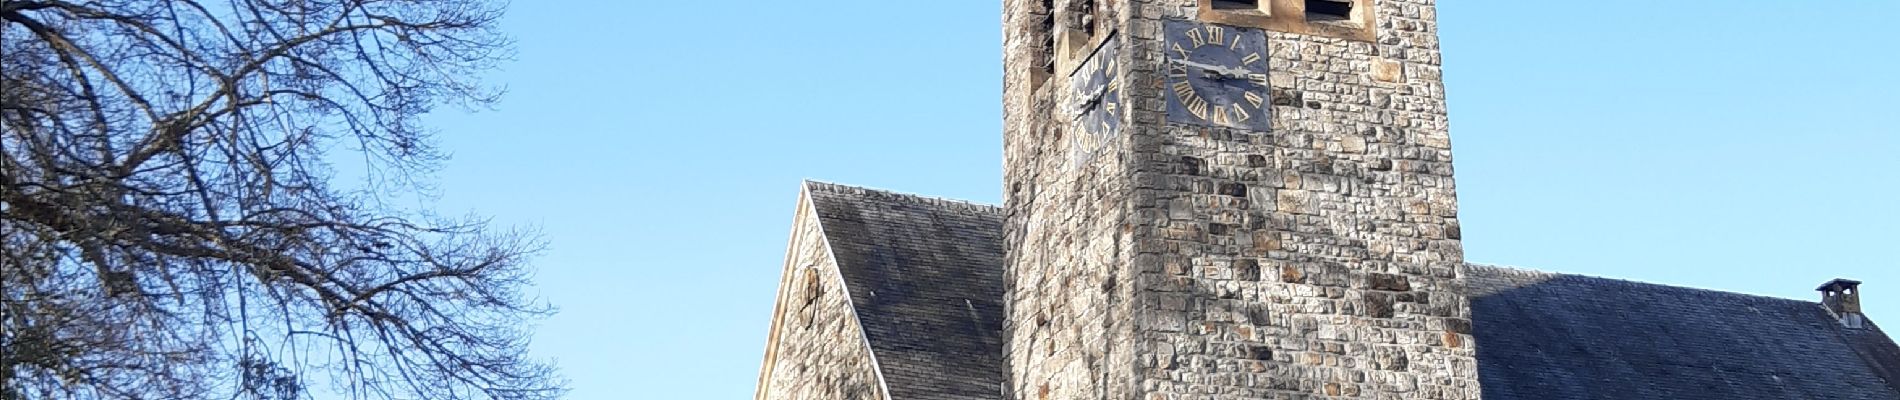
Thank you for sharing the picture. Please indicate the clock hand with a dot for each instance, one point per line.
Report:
(1219, 71)
(1095, 98)
(1081, 106)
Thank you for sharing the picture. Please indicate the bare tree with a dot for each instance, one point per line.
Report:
(170, 226)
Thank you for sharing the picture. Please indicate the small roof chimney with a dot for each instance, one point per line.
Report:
(1842, 297)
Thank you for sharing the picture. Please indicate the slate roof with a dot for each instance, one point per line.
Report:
(1559, 337)
(926, 278)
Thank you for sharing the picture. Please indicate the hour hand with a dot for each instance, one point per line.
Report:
(1217, 71)
(1093, 98)
(1088, 100)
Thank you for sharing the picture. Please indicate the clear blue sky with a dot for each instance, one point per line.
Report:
(1744, 145)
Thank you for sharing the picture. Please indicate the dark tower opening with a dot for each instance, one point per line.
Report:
(1325, 10)
(1084, 20)
(1237, 4)
(1048, 30)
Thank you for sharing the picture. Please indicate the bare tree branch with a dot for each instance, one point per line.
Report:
(168, 227)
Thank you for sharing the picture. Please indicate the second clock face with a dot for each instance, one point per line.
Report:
(1098, 89)
(1096, 101)
(1217, 75)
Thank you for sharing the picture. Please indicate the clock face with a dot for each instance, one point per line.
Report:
(1217, 75)
(1096, 100)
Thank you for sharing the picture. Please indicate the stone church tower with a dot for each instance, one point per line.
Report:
(1230, 199)
(1248, 199)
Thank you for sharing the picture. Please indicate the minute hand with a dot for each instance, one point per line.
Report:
(1223, 72)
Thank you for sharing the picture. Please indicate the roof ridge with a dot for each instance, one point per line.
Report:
(1525, 272)
(905, 197)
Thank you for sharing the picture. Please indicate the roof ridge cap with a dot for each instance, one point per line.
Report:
(1519, 271)
(907, 197)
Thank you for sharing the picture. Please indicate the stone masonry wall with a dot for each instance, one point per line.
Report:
(1318, 260)
(1321, 259)
(1068, 333)
(817, 350)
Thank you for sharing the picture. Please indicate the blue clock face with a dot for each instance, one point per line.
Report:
(1217, 75)
(1096, 100)
(1098, 93)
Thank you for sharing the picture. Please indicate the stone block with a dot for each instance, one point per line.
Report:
(1291, 274)
(1379, 305)
(1247, 270)
(1387, 71)
(1388, 282)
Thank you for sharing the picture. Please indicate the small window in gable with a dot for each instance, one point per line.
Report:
(813, 290)
(812, 286)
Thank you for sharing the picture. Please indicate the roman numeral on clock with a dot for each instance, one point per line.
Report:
(1184, 91)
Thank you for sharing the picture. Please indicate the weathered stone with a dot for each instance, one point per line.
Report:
(1261, 353)
(1233, 189)
(1291, 274)
(1347, 196)
(1390, 282)
(1192, 166)
(1459, 325)
(1352, 144)
(1164, 357)
(1265, 241)
(1386, 70)
(1392, 359)
(1379, 305)
(1246, 270)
